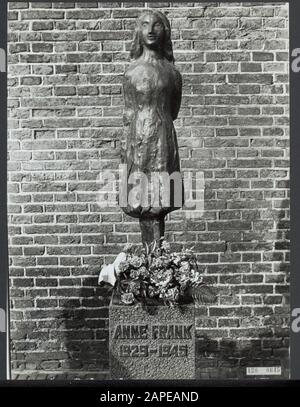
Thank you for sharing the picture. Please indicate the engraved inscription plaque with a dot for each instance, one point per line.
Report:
(153, 343)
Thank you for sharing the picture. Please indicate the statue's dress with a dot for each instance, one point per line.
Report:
(152, 96)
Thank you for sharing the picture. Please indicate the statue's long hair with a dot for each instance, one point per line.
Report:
(166, 49)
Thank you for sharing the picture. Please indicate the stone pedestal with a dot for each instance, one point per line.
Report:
(153, 343)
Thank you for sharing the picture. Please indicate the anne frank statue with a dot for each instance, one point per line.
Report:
(152, 95)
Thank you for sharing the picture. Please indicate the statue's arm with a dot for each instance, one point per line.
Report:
(177, 95)
(128, 115)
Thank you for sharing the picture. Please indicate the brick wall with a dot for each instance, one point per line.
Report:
(66, 61)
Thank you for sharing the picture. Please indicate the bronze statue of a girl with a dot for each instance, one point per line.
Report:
(152, 95)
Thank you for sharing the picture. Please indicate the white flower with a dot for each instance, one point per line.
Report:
(127, 298)
(165, 245)
(185, 266)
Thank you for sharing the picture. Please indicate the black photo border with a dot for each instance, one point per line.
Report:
(294, 38)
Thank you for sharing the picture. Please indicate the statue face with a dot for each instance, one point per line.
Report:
(152, 30)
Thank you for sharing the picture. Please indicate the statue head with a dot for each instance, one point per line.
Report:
(152, 30)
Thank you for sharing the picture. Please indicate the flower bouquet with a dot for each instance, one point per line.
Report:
(155, 275)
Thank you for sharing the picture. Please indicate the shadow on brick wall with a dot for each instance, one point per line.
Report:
(266, 345)
(229, 358)
(86, 330)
